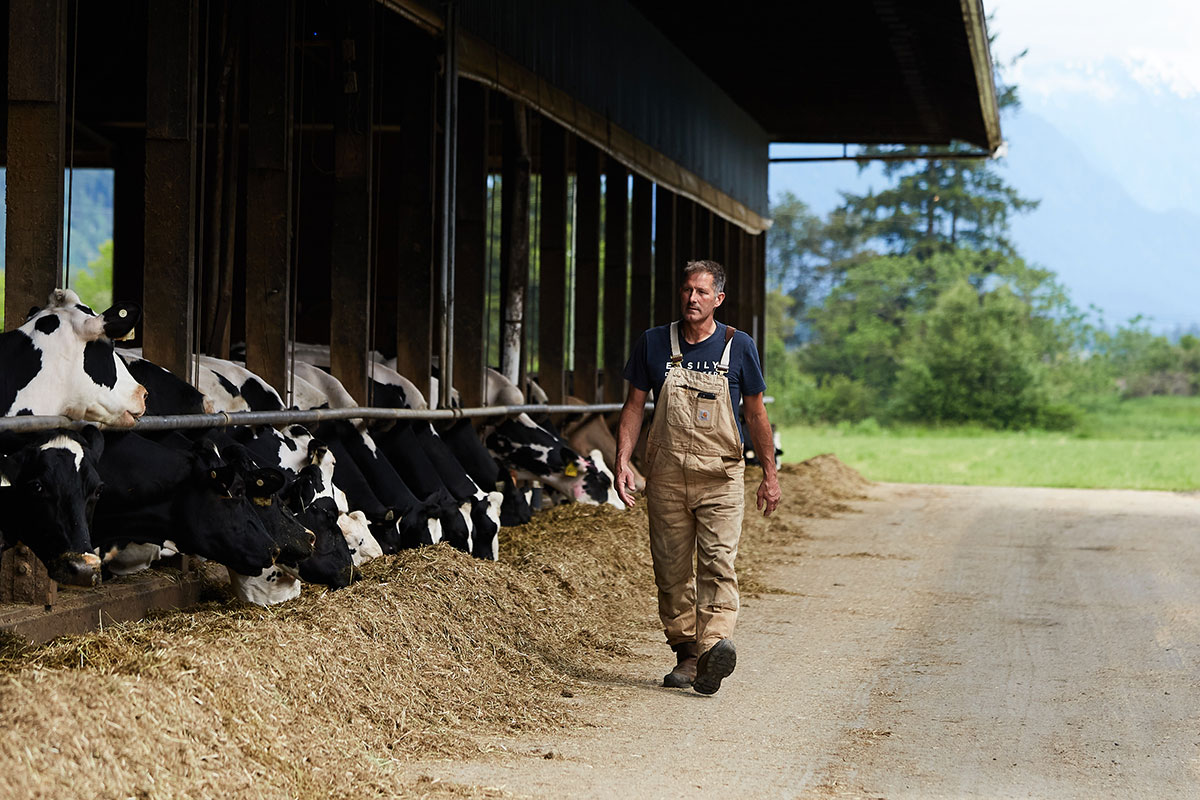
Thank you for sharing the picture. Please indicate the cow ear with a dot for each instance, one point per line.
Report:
(120, 320)
(225, 477)
(266, 481)
(33, 312)
(94, 439)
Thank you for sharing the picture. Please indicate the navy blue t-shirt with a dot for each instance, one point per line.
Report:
(651, 358)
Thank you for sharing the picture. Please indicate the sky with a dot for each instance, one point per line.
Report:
(1082, 47)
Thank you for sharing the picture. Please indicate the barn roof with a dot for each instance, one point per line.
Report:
(857, 71)
(691, 92)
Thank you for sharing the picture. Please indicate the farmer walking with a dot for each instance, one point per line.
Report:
(699, 369)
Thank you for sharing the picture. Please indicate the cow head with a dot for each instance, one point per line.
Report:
(222, 522)
(47, 497)
(331, 563)
(263, 485)
(76, 371)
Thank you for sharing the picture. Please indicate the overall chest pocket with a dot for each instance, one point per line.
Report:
(705, 405)
(692, 407)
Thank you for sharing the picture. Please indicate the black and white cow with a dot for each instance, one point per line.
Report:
(232, 387)
(49, 485)
(167, 393)
(483, 468)
(189, 501)
(312, 496)
(332, 563)
(421, 522)
(62, 362)
(535, 454)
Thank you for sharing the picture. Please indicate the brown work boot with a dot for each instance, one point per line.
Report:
(685, 667)
(715, 665)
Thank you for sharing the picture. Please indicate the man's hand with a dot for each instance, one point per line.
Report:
(628, 428)
(626, 485)
(759, 427)
(769, 494)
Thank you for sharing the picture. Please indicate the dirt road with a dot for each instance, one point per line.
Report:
(939, 642)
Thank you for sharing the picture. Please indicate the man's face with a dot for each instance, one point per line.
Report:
(698, 298)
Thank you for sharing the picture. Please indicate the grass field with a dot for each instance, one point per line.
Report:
(1148, 443)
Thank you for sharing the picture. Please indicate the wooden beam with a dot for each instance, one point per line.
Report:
(642, 267)
(470, 244)
(685, 237)
(33, 250)
(552, 287)
(616, 279)
(408, 214)
(350, 276)
(129, 218)
(169, 305)
(587, 269)
(665, 302)
(759, 310)
(269, 190)
(702, 233)
(514, 241)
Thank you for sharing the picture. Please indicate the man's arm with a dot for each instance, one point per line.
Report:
(628, 429)
(769, 493)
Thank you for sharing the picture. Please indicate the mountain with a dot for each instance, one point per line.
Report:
(1107, 247)
(1110, 250)
(91, 214)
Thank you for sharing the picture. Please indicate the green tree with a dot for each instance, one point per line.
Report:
(94, 285)
(975, 358)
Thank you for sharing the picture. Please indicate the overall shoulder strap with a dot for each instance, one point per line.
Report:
(723, 367)
(676, 356)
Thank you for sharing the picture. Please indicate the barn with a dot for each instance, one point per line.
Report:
(452, 184)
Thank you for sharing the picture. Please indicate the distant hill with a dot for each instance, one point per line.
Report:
(1108, 249)
(91, 214)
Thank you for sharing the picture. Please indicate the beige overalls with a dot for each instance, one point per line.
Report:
(695, 500)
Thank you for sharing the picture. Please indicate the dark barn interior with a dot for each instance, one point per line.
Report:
(280, 168)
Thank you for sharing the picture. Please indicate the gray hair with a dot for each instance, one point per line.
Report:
(712, 268)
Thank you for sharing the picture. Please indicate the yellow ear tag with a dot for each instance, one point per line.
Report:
(571, 471)
(132, 333)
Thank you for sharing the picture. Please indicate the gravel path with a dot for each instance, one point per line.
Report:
(939, 642)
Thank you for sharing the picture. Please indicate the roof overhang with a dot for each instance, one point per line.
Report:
(857, 71)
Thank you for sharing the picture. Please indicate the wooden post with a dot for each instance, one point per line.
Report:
(735, 255)
(703, 238)
(470, 243)
(722, 255)
(33, 251)
(685, 237)
(642, 267)
(350, 275)
(665, 267)
(129, 221)
(171, 73)
(514, 241)
(616, 279)
(759, 313)
(552, 300)
(408, 212)
(269, 190)
(24, 579)
(587, 269)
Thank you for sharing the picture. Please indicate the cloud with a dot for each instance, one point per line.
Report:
(1093, 47)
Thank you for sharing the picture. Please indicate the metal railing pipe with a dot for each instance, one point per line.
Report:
(28, 424)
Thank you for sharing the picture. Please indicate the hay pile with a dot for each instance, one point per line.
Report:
(328, 695)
